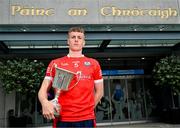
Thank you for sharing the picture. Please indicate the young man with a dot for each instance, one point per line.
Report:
(77, 104)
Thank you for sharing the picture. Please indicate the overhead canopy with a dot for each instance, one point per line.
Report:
(98, 44)
(121, 46)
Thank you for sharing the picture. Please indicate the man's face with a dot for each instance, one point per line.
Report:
(76, 41)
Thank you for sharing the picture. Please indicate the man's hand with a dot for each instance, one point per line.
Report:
(48, 109)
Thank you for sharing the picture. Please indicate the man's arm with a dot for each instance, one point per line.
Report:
(99, 91)
(47, 106)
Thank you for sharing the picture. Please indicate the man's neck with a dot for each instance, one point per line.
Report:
(75, 54)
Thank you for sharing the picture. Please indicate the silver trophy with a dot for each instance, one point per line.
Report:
(61, 82)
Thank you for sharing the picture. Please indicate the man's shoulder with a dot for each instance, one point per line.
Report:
(92, 60)
(59, 59)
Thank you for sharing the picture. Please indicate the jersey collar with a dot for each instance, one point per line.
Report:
(75, 57)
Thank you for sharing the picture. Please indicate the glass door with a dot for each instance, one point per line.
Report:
(135, 98)
(104, 109)
(118, 98)
(124, 99)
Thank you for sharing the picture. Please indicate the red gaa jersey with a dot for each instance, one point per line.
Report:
(77, 103)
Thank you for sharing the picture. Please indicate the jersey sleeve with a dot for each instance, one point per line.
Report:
(97, 72)
(50, 72)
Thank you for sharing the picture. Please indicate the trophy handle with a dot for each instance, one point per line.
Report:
(55, 102)
(79, 72)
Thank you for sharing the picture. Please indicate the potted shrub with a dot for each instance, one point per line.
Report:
(166, 75)
(24, 77)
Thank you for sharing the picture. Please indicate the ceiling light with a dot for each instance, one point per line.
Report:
(161, 28)
(108, 28)
(53, 30)
(142, 58)
(23, 29)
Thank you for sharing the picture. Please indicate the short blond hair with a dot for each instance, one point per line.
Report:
(76, 29)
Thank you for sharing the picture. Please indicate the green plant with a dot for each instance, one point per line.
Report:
(22, 75)
(167, 73)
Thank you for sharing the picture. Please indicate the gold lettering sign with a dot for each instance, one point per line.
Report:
(163, 13)
(106, 11)
(31, 11)
(77, 12)
(115, 11)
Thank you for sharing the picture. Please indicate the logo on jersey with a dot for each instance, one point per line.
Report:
(100, 73)
(76, 63)
(83, 76)
(87, 63)
(64, 64)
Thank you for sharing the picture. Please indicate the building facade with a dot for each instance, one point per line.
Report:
(127, 37)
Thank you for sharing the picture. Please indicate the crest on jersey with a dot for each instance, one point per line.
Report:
(87, 63)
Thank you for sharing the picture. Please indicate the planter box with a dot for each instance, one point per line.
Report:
(171, 116)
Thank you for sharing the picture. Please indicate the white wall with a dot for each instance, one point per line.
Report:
(7, 101)
(2, 106)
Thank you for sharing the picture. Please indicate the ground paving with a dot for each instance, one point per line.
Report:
(144, 125)
(139, 125)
